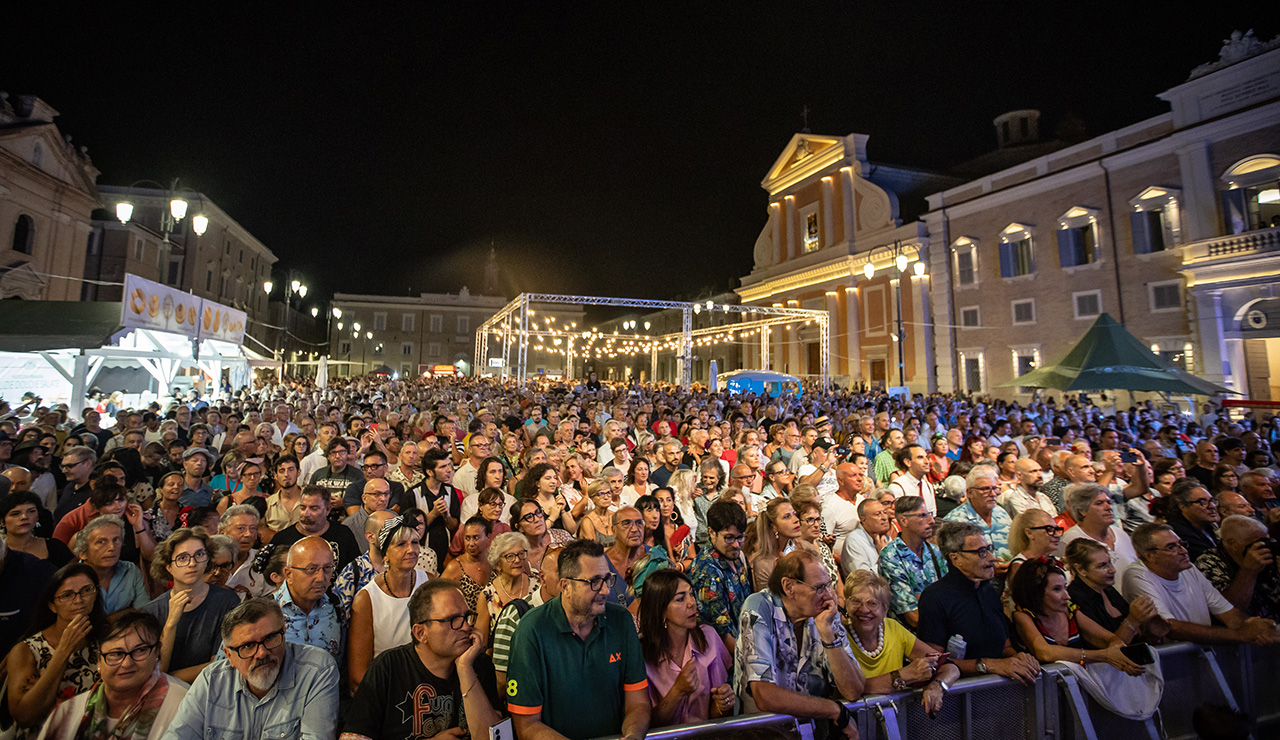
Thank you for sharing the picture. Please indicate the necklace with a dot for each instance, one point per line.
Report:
(392, 591)
(880, 645)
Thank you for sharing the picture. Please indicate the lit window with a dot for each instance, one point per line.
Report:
(1078, 237)
(1251, 199)
(966, 251)
(1016, 251)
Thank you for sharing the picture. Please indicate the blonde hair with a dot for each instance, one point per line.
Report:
(766, 541)
(860, 579)
(1018, 540)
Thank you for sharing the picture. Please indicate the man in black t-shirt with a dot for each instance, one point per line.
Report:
(441, 681)
(313, 512)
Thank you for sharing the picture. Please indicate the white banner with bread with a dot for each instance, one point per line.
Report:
(150, 305)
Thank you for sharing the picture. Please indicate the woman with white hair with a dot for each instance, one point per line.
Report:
(1089, 504)
(98, 546)
(512, 579)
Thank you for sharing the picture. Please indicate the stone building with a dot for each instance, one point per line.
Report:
(48, 194)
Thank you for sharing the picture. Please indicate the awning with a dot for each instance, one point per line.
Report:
(32, 326)
(1109, 358)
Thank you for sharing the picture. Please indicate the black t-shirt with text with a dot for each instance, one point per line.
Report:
(399, 699)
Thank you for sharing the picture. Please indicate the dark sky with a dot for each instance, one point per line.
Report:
(602, 149)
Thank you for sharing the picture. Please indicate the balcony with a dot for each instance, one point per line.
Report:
(1219, 247)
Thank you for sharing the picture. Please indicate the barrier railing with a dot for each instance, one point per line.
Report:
(1053, 707)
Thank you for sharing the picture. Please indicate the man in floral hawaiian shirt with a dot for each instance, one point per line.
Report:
(792, 655)
(909, 563)
(719, 576)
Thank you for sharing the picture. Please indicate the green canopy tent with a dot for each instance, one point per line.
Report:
(1108, 357)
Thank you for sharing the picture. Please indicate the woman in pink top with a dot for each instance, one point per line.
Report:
(687, 664)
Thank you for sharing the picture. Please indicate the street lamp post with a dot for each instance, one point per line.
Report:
(294, 287)
(168, 219)
(900, 261)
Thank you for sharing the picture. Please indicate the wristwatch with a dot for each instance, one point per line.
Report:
(899, 683)
(982, 666)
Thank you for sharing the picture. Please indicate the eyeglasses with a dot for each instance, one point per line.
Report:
(250, 649)
(1050, 529)
(824, 586)
(137, 655)
(71, 466)
(1208, 503)
(781, 472)
(66, 597)
(515, 557)
(220, 566)
(986, 489)
(185, 559)
(312, 570)
(920, 514)
(1170, 548)
(981, 552)
(371, 466)
(455, 622)
(734, 539)
(534, 516)
(810, 520)
(597, 583)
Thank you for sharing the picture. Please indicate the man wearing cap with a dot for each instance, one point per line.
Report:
(195, 492)
(818, 469)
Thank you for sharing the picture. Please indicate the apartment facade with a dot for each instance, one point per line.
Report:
(1167, 225)
(411, 334)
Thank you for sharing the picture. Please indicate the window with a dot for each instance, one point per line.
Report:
(406, 322)
(464, 323)
(208, 281)
(222, 286)
(1165, 295)
(1078, 237)
(228, 247)
(344, 348)
(406, 348)
(812, 237)
(380, 321)
(1087, 304)
(137, 249)
(971, 371)
(437, 323)
(1025, 359)
(1024, 311)
(406, 370)
(966, 261)
(24, 234)
(241, 257)
(1252, 198)
(37, 154)
(1016, 258)
(970, 318)
(433, 350)
(175, 268)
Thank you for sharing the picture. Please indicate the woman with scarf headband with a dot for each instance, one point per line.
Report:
(380, 612)
(132, 700)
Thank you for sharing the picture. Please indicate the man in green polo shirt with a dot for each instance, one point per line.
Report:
(575, 669)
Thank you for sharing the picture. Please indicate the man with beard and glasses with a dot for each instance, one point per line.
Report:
(266, 687)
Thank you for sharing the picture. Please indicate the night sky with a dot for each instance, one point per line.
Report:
(601, 150)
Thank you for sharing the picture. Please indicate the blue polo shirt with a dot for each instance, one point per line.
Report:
(577, 686)
(956, 605)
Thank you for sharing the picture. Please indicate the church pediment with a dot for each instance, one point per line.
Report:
(42, 148)
(806, 155)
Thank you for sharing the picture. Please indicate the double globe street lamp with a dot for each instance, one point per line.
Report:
(900, 261)
(168, 220)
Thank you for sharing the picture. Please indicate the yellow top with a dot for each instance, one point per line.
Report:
(898, 643)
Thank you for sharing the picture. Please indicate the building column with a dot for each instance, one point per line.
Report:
(1199, 207)
(775, 224)
(852, 343)
(922, 334)
(1209, 331)
(828, 216)
(833, 333)
(790, 251)
(847, 204)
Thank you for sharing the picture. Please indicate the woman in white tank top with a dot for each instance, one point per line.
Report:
(380, 612)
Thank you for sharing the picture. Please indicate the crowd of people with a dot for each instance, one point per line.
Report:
(411, 558)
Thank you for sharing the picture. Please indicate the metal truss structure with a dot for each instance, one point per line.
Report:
(510, 326)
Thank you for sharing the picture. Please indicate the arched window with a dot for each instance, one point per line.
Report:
(24, 234)
(1252, 197)
(37, 154)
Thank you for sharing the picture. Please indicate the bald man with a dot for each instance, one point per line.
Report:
(375, 497)
(363, 569)
(310, 614)
(1026, 493)
(19, 479)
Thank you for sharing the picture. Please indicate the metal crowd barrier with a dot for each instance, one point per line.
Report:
(1054, 707)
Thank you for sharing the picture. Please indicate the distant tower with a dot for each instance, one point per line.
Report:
(491, 274)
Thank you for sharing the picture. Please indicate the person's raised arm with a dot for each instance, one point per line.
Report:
(844, 669)
(477, 709)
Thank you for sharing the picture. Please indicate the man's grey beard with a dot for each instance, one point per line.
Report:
(262, 678)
